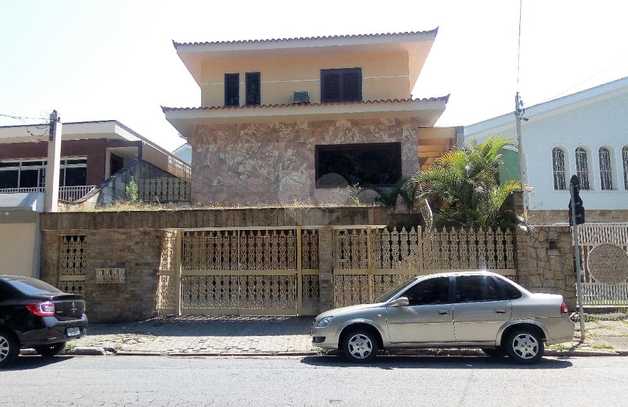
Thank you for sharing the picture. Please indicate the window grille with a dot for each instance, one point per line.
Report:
(624, 154)
(558, 163)
(606, 174)
(582, 168)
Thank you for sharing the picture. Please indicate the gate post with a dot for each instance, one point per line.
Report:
(178, 266)
(326, 267)
(299, 271)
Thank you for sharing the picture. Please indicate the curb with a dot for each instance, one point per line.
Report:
(96, 351)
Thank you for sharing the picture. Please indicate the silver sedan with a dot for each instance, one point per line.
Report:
(462, 309)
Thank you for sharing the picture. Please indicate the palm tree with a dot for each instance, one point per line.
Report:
(463, 187)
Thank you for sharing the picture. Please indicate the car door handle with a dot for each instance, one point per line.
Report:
(443, 312)
(500, 311)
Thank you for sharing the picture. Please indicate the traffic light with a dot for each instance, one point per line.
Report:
(574, 186)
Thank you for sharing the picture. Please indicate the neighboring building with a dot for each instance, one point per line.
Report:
(184, 153)
(91, 153)
(303, 119)
(585, 133)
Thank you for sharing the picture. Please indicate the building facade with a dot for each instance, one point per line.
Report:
(585, 133)
(307, 120)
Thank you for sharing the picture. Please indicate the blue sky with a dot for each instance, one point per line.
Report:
(114, 59)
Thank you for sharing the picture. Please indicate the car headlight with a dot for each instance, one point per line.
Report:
(324, 322)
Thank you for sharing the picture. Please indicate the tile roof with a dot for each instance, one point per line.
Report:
(442, 99)
(321, 37)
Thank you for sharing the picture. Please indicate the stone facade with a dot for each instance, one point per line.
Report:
(274, 162)
(545, 261)
(592, 215)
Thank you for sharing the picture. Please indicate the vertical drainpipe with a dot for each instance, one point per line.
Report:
(51, 201)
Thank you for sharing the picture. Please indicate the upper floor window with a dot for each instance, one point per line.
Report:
(232, 89)
(253, 88)
(32, 173)
(558, 163)
(624, 156)
(606, 171)
(341, 85)
(582, 168)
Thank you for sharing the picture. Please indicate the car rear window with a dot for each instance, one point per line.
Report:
(31, 286)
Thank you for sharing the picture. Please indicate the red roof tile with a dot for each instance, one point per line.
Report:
(443, 99)
(322, 37)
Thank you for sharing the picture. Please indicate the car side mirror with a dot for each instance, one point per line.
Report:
(400, 302)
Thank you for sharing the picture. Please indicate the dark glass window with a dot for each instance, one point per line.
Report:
(253, 88)
(75, 176)
(28, 178)
(232, 89)
(363, 164)
(8, 179)
(432, 291)
(510, 292)
(30, 286)
(341, 85)
(6, 292)
(469, 288)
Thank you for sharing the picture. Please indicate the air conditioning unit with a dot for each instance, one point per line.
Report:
(301, 97)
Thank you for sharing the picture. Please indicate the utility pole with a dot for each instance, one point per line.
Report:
(574, 190)
(53, 164)
(523, 174)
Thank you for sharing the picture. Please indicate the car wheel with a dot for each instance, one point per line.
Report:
(494, 352)
(525, 346)
(359, 346)
(9, 349)
(50, 350)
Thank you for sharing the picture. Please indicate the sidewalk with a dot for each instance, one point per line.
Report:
(277, 335)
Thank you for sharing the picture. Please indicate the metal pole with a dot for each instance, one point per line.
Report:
(574, 233)
(523, 175)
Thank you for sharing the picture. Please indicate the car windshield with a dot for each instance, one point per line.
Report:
(31, 286)
(391, 293)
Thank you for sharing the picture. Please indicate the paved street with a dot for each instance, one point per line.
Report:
(312, 381)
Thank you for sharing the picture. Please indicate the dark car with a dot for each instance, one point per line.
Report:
(34, 314)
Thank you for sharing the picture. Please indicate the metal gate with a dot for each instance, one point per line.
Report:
(248, 271)
(604, 254)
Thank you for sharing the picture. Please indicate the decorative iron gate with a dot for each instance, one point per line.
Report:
(252, 271)
(371, 260)
(604, 254)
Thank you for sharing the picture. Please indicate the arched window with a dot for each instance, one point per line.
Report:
(582, 168)
(624, 156)
(558, 165)
(606, 171)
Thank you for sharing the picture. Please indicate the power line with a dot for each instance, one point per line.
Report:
(519, 45)
(22, 118)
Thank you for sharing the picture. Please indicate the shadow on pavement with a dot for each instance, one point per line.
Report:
(209, 326)
(435, 362)
(34, 362)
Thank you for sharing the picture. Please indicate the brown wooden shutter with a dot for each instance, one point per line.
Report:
(352, 85)
(232, 89)
(330, 86)
(253, 88)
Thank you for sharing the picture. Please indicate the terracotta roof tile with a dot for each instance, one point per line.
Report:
(321, 37)
(443, 99)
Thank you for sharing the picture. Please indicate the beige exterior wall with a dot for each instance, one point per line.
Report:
(385, 75)
(274, 163)
(19, 249)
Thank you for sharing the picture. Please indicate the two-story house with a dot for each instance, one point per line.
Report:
(303, 119)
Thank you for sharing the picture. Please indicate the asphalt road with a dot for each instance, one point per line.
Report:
(312, 381)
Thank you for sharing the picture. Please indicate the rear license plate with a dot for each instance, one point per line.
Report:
(73, 331)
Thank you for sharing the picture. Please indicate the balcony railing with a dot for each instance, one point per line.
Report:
(69, 193)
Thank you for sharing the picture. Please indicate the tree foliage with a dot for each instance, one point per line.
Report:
(463, 187)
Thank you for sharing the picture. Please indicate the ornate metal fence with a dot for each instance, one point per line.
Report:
(72, 263)
(371, 260)
(604, 254)
(231, 271)
(164, 189)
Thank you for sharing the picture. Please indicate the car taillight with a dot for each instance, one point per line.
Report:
(42, 309)
(564, 309)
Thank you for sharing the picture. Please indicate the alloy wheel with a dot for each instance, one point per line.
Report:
(5, 348)
(360, 346)
(526, 346)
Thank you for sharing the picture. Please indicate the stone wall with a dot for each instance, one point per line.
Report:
(135, 251)
(545, 261)
(274, 163)
(592, 215)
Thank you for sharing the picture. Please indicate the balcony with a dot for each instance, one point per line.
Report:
(66, 193)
